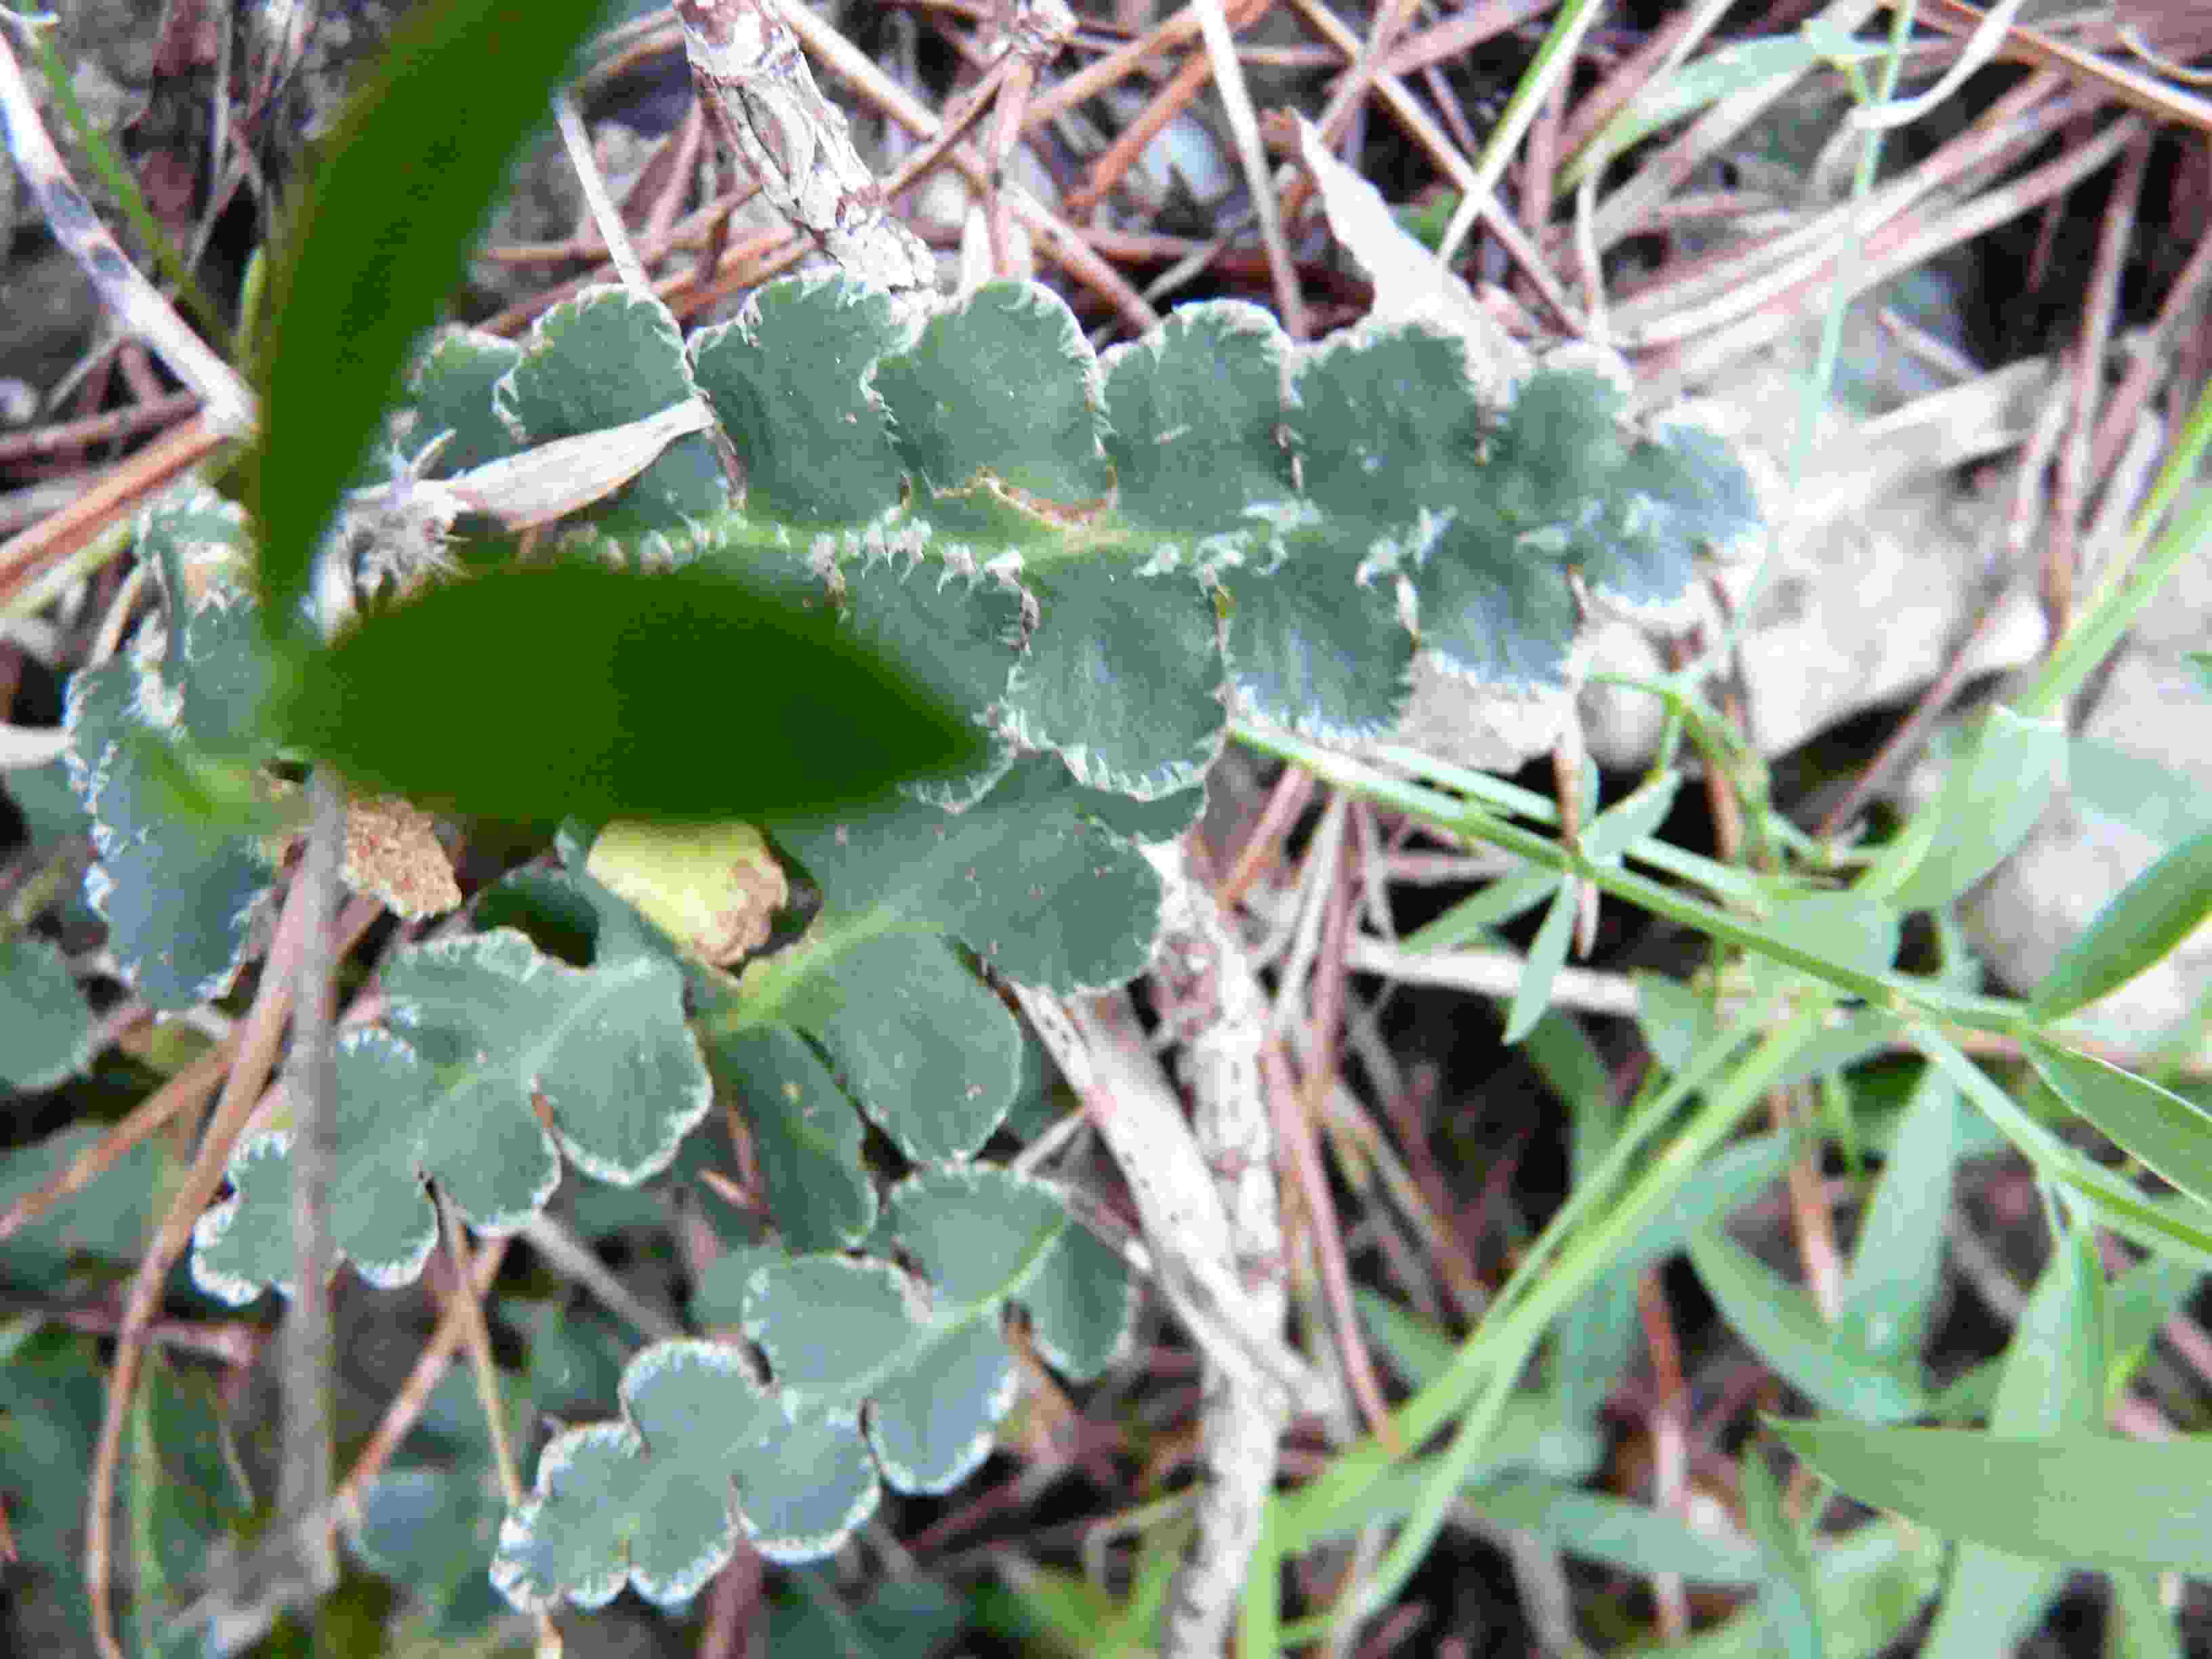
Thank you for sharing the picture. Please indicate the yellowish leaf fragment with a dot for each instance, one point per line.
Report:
(713, 888)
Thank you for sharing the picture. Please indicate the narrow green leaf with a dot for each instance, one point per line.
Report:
(1870, 1585)
(2173, 1136)
(1629, 1536)
(2140, 1628)
(2152, 914)
(2051, 1386)
(1530, 1441)
(1791, 1599)
(1545, 957)
(1597, 1336)
(1787, 1331)
(2054, 1368)
(2136, 1304)
(1690, 87)
(2087, 1498)
(1674, 1019)
(2177, 1223)
(1897, 1264)
(537, 692)
(1723, 1184)
(1626, 822)
(1846, 927)
(1419, 1350)
(1472, 918)
(379, 242)
(1996, 789)
(1993, 1601)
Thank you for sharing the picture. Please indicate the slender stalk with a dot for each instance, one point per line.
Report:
(304, 1486)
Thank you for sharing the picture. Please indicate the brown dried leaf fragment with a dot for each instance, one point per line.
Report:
(392, 853)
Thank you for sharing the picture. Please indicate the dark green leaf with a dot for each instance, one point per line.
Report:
(535, 693)
(380, 243)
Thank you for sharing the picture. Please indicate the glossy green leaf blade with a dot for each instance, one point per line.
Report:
(2152, 914)
(540, 692)
(381, 241)
(2080, 1498)
(1787, 1332)
(2172, 1135)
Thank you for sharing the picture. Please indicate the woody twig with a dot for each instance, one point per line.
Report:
(762, 101)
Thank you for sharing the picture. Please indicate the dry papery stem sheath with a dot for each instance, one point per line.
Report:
(760, 99)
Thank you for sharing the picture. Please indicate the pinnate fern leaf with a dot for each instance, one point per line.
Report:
(1098, 561)
(497, 1059)
(874, 1376)
(179, 888)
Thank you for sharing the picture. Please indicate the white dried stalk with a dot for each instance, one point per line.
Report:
(761, 100)
(232, 410)
(1100, 1047)
(1205, 1190)
(1213, 999)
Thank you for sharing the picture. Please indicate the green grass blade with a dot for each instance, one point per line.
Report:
(1786, 1331)
(2152, 914)
(1546, 957)
(2089, 1499)
(1994, 793)
(2172, 1135)
(1896, 1266)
